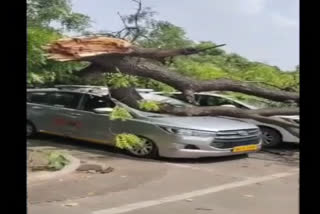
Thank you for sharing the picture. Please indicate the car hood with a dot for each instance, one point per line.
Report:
(196, 123)
(201, 123)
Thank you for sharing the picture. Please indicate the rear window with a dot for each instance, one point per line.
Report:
(37, 97)
(93, 102)
(64, 100)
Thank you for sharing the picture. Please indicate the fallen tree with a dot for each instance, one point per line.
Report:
(112, 55)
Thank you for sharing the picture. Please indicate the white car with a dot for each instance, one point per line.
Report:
(272, 135)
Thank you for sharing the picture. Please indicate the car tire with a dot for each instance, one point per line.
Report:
(149, 150)
(30, 129)
(270, 137)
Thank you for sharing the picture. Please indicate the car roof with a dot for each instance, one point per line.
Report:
(86, 89)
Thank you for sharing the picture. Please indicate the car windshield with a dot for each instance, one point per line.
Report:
(165, 100)
(162, 100)
(214, 100)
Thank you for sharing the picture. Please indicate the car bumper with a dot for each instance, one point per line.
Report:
(177, 150)
(288, 137)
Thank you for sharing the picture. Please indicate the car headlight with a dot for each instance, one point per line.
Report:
(189, 132)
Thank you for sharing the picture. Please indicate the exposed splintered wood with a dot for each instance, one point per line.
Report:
(70, 49)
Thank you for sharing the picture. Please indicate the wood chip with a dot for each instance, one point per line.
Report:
(71, 204)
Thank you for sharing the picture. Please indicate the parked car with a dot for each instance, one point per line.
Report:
(272, 135)
(81, 112)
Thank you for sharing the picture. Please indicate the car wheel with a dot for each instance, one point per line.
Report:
(31, 130)
(270, 137)
(148, 149)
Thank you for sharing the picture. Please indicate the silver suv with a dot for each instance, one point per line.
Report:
(82, 112)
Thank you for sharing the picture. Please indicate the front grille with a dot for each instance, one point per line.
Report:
(237, 134)
(230, 139)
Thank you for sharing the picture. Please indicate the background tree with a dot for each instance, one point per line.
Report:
(42, 16)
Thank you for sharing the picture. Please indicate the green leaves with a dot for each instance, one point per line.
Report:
(149, 105)
(119, 80)
(128, 141)
(41, 13)
(57, 161)
(120, 113)
(40, 70)
(165, 35)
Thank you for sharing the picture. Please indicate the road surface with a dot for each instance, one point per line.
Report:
(261, 183)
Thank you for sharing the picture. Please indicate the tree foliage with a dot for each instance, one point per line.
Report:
(120, 113)
(148, 105)
(128, 141)
(41, 15)
(163, 34)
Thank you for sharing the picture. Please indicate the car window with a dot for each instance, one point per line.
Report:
(92, 102)
(64, 99)
(211, 101)
(37, 97)
(204, 100)
(180, 97)
(165, 100)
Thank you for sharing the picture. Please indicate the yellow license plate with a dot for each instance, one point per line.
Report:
(245, 148)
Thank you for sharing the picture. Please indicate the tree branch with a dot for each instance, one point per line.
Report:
(111, 53)
(136, 19)
(145, 68)
(156, 53)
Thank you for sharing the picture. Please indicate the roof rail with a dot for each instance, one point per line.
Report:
(42, 89)
(80, 86)
(96, 87)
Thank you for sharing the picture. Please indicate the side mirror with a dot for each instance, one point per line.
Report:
(102, 110)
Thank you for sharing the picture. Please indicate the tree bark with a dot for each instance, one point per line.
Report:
(151, 69)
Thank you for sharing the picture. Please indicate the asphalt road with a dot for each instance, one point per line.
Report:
(264, 182)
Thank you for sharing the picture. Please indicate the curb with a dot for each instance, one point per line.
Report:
(41, 176)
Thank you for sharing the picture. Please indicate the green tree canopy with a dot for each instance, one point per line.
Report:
(41, 14)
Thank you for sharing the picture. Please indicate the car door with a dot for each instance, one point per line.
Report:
(38, 110)
(64, 115)
(93, 126)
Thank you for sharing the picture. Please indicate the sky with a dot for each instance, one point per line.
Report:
(260, 30)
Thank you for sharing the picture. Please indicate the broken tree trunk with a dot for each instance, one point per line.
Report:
(110, 55)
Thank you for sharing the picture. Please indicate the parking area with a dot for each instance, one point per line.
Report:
(264, 182)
